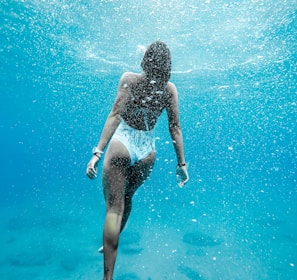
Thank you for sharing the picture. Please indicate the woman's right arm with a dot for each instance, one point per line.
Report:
(111, 123)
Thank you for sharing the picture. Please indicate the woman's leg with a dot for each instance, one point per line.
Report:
(120, 182)
(115, 168)
(137, 174)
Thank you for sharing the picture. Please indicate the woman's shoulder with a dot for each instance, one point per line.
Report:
(131, 77)
(171, 88)
(128, 79)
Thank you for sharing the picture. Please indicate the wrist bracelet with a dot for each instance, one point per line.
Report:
(98, 156)
(181, 164)
(96, 151)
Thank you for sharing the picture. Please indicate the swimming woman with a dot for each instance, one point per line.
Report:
(131, 153)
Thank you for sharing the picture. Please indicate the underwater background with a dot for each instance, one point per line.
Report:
(234, 65)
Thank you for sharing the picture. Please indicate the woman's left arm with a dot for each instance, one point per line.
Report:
(176, 134)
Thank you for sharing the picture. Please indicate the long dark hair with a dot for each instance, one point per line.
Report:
(156, 62)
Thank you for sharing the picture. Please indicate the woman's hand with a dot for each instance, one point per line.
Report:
(92, 167)
(182, 175)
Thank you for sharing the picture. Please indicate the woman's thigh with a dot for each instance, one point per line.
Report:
(115, 171)
(139, 172)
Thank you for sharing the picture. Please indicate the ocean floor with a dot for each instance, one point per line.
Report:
(57, 239)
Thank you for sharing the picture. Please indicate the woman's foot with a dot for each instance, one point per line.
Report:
(100, 250)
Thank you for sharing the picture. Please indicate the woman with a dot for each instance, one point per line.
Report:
(131, 152)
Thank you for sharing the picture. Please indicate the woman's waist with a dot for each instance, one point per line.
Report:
(138, 124)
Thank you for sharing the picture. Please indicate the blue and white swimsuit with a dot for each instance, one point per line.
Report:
(139, 143)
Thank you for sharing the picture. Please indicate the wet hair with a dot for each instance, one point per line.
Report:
(156, 62)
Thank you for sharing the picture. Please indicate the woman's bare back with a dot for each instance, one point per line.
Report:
(145, 102)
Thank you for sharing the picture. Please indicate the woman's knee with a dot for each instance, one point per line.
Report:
(112, 228)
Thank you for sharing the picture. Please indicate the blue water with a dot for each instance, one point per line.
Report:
(234, 64)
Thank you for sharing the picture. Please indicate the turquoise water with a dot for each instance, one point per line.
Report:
(234, 64)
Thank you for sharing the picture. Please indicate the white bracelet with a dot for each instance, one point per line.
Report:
(96, 151)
